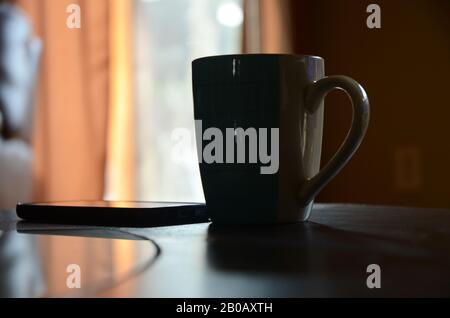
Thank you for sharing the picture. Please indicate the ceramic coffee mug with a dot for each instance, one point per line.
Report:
(259, 129)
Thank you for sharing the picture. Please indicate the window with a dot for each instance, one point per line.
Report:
(168, 35)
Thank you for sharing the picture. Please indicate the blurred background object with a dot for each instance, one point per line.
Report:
(19, 56)
(115, 104)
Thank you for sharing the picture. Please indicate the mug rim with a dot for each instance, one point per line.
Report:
(268, 55)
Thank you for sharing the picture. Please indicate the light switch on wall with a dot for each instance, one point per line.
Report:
(407, 169)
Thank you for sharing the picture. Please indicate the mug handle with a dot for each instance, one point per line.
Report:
(315, 94)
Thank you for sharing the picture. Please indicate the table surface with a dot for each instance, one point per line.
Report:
(325, 257)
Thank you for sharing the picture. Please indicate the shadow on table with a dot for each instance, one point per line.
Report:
(302, 248)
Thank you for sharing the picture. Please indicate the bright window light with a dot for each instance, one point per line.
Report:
(168, 35)
(230, 14)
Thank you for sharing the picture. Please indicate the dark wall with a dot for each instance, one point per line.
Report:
(404, 66)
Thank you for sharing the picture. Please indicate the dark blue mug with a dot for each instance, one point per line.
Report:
(259, 121)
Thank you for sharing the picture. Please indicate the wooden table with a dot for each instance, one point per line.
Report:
(327, 256)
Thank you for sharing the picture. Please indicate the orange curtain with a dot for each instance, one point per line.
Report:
(83, 119)
(267, 26)
(120, 176)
